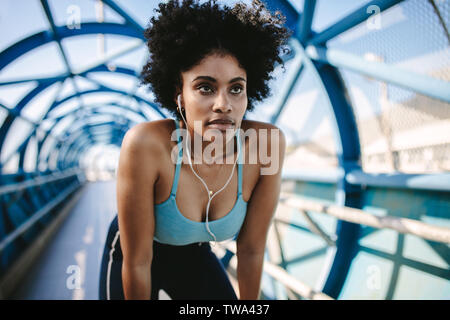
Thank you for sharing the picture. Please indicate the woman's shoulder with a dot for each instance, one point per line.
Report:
(262, 128)
(267, 145)
(257, 125)
(265, 136)
(150, 136)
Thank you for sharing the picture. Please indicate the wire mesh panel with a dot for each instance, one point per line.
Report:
(307, 120)
(399, 129)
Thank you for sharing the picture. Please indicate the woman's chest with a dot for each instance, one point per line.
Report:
(192, 194)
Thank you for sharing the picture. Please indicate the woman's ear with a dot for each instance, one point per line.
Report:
(178, 101)
(175, 98)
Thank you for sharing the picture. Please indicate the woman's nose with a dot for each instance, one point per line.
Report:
(222, 104)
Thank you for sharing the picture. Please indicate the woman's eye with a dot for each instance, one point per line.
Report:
(205, 89)
(236, 90)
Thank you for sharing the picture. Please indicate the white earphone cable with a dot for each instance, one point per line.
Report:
(201, 180)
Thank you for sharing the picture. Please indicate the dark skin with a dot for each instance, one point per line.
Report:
(220, 91)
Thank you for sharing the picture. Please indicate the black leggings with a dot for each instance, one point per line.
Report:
(190, 272)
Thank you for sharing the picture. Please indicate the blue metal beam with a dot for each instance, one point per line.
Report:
(56, 37)
(128, 19)
(67, 137)
(103, 68)
(92, 108)
(303, 32)
(38, 80)
(351, 20)
(436, 182)
(7, 123)
(42, 86)
(15, 112)
(423, 84)
(75, 138)
(21, 47)
(284, 6)
(288, 91)
(348, 153)
(79, 137)
(107, 89)
(99, 67)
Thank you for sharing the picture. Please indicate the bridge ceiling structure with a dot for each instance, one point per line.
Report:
(93, 99)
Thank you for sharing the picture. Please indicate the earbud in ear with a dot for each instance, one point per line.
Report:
(179, 102)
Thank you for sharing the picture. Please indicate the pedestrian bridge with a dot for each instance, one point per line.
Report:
(364, 102)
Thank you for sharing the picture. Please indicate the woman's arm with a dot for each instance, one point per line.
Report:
(251, 241)
(136, 175)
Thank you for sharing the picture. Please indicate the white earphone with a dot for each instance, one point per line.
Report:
(179, 104)
(210, 193)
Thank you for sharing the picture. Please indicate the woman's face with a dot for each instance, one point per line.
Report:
(214, 93)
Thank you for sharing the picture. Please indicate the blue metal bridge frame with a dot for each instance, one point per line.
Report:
(308, 45)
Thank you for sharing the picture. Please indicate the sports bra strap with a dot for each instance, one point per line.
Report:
(240, 162)
(179, 160)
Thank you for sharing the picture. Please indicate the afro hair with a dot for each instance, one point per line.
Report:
(186, 32)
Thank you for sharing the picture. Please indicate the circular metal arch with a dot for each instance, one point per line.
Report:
(41, 38)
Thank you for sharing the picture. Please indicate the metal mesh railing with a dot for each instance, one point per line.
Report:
(399, 129)
(408, 134)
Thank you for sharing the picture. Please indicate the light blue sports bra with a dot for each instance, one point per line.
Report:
(171, 227)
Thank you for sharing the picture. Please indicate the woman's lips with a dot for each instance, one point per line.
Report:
(220, 125)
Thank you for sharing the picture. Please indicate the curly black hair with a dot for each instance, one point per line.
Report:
(185, 33)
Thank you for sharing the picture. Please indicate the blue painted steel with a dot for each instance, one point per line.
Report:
(287, 93)
(331, 176)
(128, 19)
(350, 179)
(20, 220)
(351, 20)
(32, 42)
(303, 31)
(347, 195)
(107, 89)
(38, 80)
(4, 130)
(71, 153)
(56, 37)
(348, 150)
(77, 137)
(426, 85)
(290, 13)
(93, 109)
(7, 123)
(437, 182)
(118, 69)
(46, 84)
(15, 112)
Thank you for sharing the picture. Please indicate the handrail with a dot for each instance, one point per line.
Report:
(36, 216)
(285, 278)
(39, 180)
(420, 181)
(315, 227)
(402, 225)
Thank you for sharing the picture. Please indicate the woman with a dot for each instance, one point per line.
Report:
(209, 65)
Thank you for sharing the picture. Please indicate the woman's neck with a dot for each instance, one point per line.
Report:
(222, 151)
